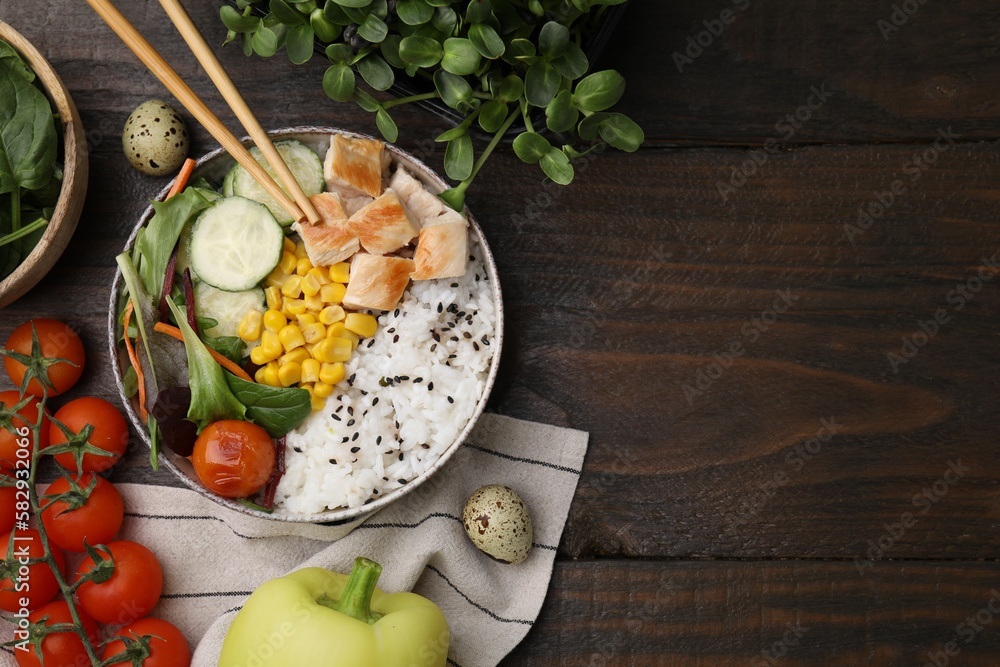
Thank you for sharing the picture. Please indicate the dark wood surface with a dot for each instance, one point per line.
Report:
(704, 336)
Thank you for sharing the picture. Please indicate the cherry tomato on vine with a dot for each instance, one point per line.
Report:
(96, 518)
(110, 433)
(56, 340)
(40, 585)
(234, 458)
(168, 648)
(59, 649)
(132, 590)
(18, 413)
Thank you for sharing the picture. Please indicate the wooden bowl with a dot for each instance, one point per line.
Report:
(74, 186)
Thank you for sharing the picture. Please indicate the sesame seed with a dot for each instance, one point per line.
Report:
(350, 380)
(454, 284)
(335, 416)
(453, 356)
(354, 437)
(333, 461)
(485, 340)
(401, 456)
(340, 407)
(391, 330)
(297, 449)
(467, 335)
(350, 410)
(401, 480)
(375, 401)
(350, 422)
(371, 342)
(378, 440)
(434, 347)
(440, 307)
(430, 386)
(363, 392)
(436, 336)
(472, 258)
(344, 440)
(395, 313)
(416, 380)
(455, 339)
(425, 446)
(451, 400)
(355, 450)
(395, 339)
(404, 378)
(475, 346)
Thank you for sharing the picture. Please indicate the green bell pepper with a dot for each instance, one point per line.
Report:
(319, 618)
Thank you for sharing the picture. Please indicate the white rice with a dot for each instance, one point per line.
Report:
(409, 392)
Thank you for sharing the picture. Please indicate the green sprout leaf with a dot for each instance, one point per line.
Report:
(599, 91)
(454, 90)
(376, 72)
(366, 101)
(486, 40)
(390, 51)
(541, 83)
(373, 29)
(556, 166)
(284, 13)
(622, 132)
(492, 116)
(571, 63)
(325, 30)
(338, 82)
(453, 133)
(510, 89)
(445, 20)
(265, 42)
(560, 114)
(351, 3)
(414, 12)
(299, 44)
(386, 125)
(479, 11)
(236, 22)
(553, 39)
(531, 147)
(420, 51)
(460, 56)
(458, 158)
(339, 54)
(519, 49)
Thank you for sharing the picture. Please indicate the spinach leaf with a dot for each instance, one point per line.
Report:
(28, 139)
(277, 409)
(231, 347)
(157, 243)
(211, 398)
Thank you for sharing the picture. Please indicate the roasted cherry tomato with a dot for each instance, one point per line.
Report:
(132, 590)
(110, 432)
(167, 648)
(18, 414)
(56, 340)
(60, 649)
(234, 458)
(40, 585)
(95, 518)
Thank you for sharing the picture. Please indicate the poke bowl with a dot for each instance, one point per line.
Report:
(367, 353)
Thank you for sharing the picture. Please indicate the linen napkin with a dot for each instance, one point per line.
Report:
(213, 558)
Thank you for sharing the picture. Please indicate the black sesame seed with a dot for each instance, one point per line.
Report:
(355, 450)
(451, 400)
(297, 449)
(364, 414)
(385, 479)
(344, 440)
(333, 461)
(363, 392)
(401, 456)
(354, 437)
(350, 422)
(335, 416)
(391, 330)
(397, 425)
(477, 277)
(378, 440)
(468, 318)
(371, 342)
(350, 410)
(472, 258)
(434, 347)
(340, 407)
(436, 336)
(467, 335)
(430, 386)
(454, 284)
(485, 340)
(460, 315)
(425, 446)
(455, 339)
(452, 356)
(395, 339)
(440, 307)
(415, 380)
(375, 401)
(475, 346)
(404, 378)
(401, 480)
(350, 380)
(375, 492)
(395, 313)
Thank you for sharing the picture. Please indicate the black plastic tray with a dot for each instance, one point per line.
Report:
(405, 86)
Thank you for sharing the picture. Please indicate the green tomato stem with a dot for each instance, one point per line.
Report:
(357, 597)
(406, 100)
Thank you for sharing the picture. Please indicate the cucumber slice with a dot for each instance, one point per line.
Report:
(304, 164)
(226, 308)
(227, 184)
(235, 244)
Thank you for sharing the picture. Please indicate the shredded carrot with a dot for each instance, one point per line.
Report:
(183, 176)
(174, 332)
(134, 358)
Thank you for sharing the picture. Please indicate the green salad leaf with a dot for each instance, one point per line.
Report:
(28, 139)
(277, 409)
(160, 237)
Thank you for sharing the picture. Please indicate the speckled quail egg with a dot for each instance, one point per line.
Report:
(498, 523)
(155, 139)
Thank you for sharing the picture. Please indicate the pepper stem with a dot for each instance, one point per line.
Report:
(357, 597)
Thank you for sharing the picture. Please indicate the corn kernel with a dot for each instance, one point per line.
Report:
(314, 303)
(305, 319)
(274, 321)
(340, 273)
(287, 263)
(330, 350)
(310, 370)
(268, 350)
(321, 276)
(250, 326)
(276, 278)
(303, 266)
(361, 324)
(292, 287)
(307, 386)
(291, 337)
(317, 403)
(296, 356)
(310, 286)
(259, 356)
(271, 374)
(337, 329)
(294, 307)
(289, 245)
(322, 390)
(332, 293)
(355, 340)
(259, 375)
(300, 250)
(289, 374)
(314, 333)
(331, 314)
(273, 296)
(331, 374)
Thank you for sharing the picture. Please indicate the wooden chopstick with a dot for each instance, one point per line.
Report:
(210, 63)
(190, 100)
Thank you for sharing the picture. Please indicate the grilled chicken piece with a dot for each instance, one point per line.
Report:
(330, 240)
(422, 205)
(377, 282)
(384, 225)
(442, 251)
(354, 166)
(354, 204)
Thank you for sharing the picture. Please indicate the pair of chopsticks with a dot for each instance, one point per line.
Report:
(301, 208)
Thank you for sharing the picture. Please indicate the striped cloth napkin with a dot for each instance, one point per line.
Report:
(214, 558)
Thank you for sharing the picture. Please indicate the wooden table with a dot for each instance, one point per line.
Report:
(778, 320)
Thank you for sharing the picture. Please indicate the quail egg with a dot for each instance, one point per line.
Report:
(155, 139)
(498, 523)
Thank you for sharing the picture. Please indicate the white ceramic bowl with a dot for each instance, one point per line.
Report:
(214, 167)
